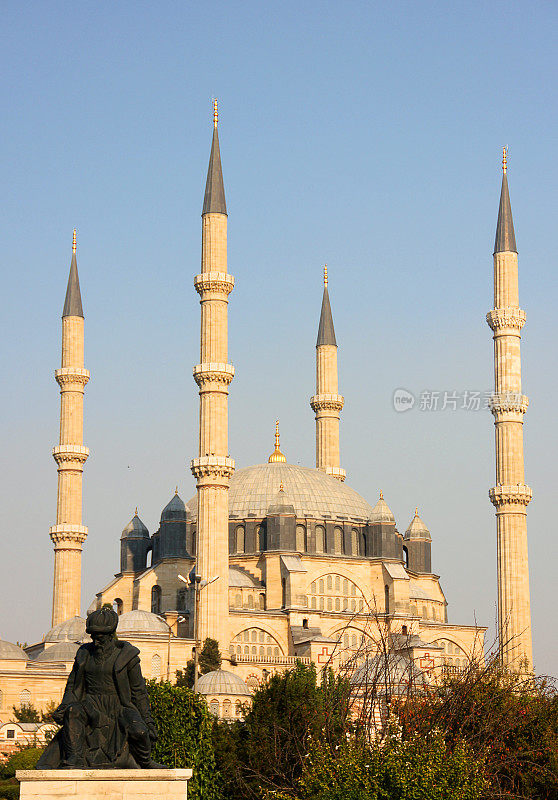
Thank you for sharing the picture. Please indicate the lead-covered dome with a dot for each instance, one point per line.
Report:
(12, 652)
(62, 651)
(135, 529)
(140, 622)
(175, 509)
(71, 630)
(312, 493)
(221, 681)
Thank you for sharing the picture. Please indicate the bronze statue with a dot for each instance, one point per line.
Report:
(105, 715)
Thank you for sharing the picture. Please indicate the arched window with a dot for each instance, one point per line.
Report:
(156, 666)
(260, 536)
(250, 601)
(214, 708)
(338, 540)
(117, 605)
(240, 539)
(252, 682)
(362, 543)
(255, 635)
(405, 556)
(283, 593)
(238, 708)
(320, 539)
(181, 600)
(354, 542)
(300, 538)
(156, 600)
(262, 602)
(238, 600)
(227, 708)
(24, 697)
(386, 598)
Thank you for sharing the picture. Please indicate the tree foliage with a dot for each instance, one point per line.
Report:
(184, 726)
(26, 712)
(210, 657)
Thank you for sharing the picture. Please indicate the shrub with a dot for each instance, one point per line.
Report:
(26, 758)
(184, 725)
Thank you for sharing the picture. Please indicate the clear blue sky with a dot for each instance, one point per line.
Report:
(364, 134)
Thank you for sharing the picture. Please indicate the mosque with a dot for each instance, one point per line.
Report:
(277, 562)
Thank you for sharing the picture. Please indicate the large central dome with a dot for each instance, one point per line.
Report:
(312, 493)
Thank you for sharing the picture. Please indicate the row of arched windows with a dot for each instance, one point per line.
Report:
(250, 600)
(335, 593)
(255, 642)
(358, 541)
(225, 708)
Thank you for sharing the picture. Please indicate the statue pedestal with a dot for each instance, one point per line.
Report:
(103, 784)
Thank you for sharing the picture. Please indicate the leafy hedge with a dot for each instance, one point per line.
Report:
(184, 725)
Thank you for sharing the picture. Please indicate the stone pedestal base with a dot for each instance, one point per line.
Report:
(103, 784)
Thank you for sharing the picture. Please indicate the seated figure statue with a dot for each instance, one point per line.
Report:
(105, 716)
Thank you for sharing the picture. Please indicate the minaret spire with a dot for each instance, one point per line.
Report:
(505, 235)
(213, 467)
(214, 199)
(510, 495)
(70, 455)
(327, 403)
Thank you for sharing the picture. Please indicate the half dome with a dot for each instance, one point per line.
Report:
(140, 622)
(312, 493)
(221, 681)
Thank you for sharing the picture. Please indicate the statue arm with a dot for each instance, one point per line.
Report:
(140, 698)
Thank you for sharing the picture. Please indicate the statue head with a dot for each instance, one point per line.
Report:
(101, 624)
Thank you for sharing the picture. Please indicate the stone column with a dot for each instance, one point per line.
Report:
(510, 495)
(70, 455)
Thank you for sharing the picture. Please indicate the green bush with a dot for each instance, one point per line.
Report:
(26, 758)
(184, 725)
(9, 790)
(417, 769)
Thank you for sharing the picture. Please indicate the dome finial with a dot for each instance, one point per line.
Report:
(381, 495)
(176, 490)
(505, 159)
(325, 275)
(281, 487)
(416, 511)
(277, 455)
(215, 113)
(74, 241)
(136, 512)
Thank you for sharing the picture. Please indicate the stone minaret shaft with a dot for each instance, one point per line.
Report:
(327, 403)
(510, 496)
(213, 467)
(70, 455)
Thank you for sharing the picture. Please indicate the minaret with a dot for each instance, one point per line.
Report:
(70, 455)
(327, 403)
(510, 496)
(213, 467)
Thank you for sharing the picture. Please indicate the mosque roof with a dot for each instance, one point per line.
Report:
(175, 509)
(221, 681)
(417, 529)
(12, 652)
(61, 651)
(381, 511)
(135, 529)
(71, 630)
(141, 622)
(242, 579)
(311, 492)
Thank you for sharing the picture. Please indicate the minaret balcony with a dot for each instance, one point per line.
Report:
(510, 318)
(220, 282)
(69, 456)
(327, 402)
(68, 535)
(508, 402)
(211, 466)
(69, 375)
(335, 472)
(212, 371)
(519, 494)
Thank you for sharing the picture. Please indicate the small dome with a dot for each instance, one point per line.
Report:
(281, 503)
(417, 529)
(220, 681)
(381, 511)
(175, 509)
(71, 630)
(12, 652)
(140, 622)
(135, 529)
(62, 651)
